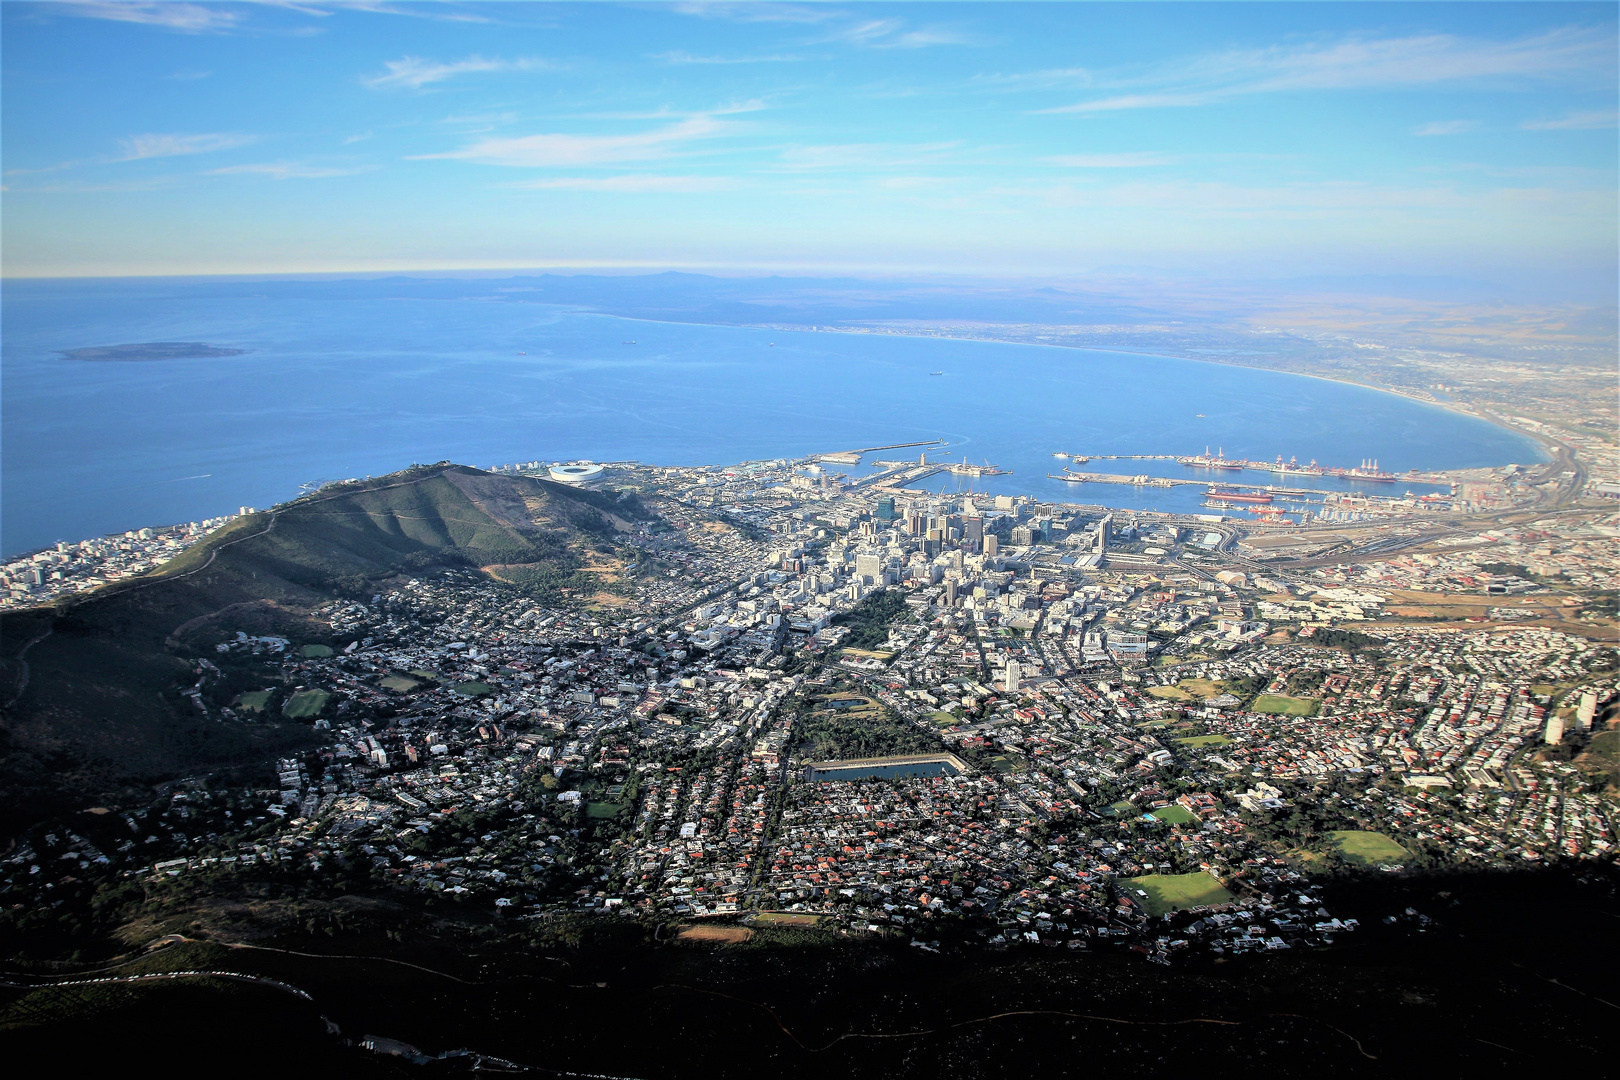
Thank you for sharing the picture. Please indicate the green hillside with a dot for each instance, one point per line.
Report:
(91, 690)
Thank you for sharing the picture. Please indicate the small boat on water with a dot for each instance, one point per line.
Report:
(626, 343)
(936, 373)
(1059, 454)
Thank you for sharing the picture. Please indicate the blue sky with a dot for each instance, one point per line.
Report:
(1025, 139)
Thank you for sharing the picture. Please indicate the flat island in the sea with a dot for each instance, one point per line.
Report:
(152, 350)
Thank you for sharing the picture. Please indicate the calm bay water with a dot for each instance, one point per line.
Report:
(345, 386)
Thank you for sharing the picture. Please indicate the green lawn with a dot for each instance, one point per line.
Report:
(399, 683)
(1605, 744)
(1286, 706)
(1203, 740)
(1171, 892)
(600, 810)
(1169, 693)
(1368, 847)
(316, 652)
(787, 918)
(474, 689)
(1122, 809)
(1174, 815)
(305, 703)
(945, 719)
(254, 700)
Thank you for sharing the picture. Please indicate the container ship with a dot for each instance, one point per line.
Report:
(1292, 466)
(1237, 496)
(1368, 470)
(1208, 461)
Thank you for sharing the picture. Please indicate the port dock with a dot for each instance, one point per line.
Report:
(853, 457)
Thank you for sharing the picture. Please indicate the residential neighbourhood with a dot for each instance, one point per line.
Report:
(1130, 731)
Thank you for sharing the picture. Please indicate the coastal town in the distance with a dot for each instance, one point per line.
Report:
(810, 693)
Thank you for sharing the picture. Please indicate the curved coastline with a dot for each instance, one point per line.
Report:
(1541, 441)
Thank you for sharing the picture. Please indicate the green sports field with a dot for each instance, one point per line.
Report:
(399, 683)
(1174, 815)
(1171, 892)
(316, 652)
(1286, 706)
(1368, 847)
(786, 918)
(304, 704)
(253, 700)
(474, 689)
(1204, 740)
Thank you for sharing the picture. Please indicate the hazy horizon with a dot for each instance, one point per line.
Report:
(1244, 145)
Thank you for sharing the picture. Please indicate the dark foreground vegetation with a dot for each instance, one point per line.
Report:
(1480, 978)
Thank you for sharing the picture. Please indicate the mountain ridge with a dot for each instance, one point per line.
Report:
(93, 686)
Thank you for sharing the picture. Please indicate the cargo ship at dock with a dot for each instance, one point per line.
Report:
(1206, 460)
(1237, 496)
(1367, 470)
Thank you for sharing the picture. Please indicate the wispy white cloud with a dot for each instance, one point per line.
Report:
(440, 11)
(756, 12)
(730, 109)
(924, 36)
(1592, 120)
(474, 122)
(680, 57)
(895, 34)
(1276, 204)
(286, 170)
(1570, 55)
(1112, 161)
(293, 5)
(627, 184)
(1446, 127)
(859, 30)
(140, 147)
(186, 18)
(553, 150)
(1133, 101)
(415, 72)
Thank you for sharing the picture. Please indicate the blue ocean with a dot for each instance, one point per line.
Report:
(341, 381)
